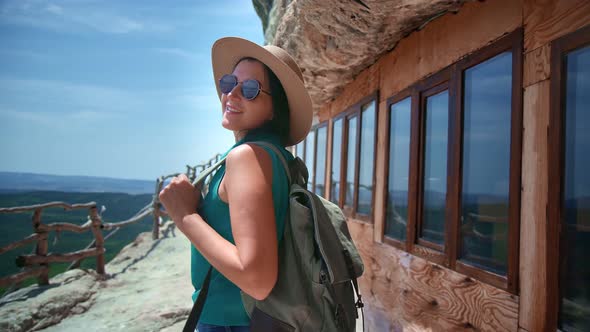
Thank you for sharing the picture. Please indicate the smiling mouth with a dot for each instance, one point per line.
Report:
(231, 109)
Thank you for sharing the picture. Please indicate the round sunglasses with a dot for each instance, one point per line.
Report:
(250, 88)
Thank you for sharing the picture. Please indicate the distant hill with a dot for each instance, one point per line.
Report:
(20, 182)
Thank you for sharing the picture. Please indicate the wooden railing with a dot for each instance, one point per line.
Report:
(37, 264)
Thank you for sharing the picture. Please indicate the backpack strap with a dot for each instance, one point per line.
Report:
(279, 154)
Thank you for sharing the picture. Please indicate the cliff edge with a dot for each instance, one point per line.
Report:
(147, 288)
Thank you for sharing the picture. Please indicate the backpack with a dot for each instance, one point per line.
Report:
(318, 266)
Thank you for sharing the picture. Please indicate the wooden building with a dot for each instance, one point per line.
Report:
(460, 158)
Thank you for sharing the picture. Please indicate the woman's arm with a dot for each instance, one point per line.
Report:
(252, 263)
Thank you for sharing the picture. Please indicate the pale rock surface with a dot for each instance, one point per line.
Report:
(334, 40)
(148, 288)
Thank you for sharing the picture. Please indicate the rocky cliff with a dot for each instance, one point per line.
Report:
(147, 288)
(334, 40)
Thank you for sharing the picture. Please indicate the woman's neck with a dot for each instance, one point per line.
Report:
(240, 134)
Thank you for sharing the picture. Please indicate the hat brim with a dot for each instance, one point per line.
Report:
(225, 54)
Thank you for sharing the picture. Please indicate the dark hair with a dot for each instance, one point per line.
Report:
(280, 124)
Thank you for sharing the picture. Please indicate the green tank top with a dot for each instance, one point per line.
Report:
(224, 304)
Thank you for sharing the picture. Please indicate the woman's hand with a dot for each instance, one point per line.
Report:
(180, 198)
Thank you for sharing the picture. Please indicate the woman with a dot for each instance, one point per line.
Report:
(240, 224)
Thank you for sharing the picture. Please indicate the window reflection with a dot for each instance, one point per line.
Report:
(299, 150)
(486, 163)
(575, 288)
(435, 167)
(365, 198)
(350, 162)
(399, 164)
(336, 155)
(320, 170)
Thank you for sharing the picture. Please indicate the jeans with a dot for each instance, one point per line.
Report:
(202, 327)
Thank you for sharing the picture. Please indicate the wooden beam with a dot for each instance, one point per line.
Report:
(547, 20)
(537, 65)
(18, 277)
(533, 206)
(28, 260)
(380, 181)
(66, 206)
(29, 239)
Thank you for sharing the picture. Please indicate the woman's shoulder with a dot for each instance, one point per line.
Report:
(248, 156)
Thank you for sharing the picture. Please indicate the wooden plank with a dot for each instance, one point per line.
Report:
(533, 208)
(29, 239)
(329, 148)
(18, 277)
(537, 65)
(28, 260)
(405, 292)
(324, 112)
(380, 181)
(366, 83)
(446, 40)
(547, 20)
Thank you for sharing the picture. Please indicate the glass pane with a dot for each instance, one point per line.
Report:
(336, 155)
(367, 159)
(486, 163)
(435, 167)
(575, 288)
(320, 170)
(350, 162)
(299, 150)
(309, 157)
(399, 169)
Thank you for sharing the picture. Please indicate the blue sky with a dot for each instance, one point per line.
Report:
(121, 89)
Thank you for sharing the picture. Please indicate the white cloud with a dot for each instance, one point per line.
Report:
(54, 9)
(75, 17)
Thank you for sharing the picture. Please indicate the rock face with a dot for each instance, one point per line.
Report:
(147, 288)
(334, 40)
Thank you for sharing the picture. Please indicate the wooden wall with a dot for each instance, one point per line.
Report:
(403, 292)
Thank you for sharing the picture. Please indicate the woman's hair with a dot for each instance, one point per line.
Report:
(279, 125)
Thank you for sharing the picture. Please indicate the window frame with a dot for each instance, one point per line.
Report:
(352, 111)
(343, 151)
(452, 77)
(560, 47)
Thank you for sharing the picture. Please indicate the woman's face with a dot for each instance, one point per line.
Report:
(240, 114)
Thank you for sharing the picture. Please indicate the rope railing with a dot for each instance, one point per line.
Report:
(36, 264)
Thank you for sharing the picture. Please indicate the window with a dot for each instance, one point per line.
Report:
(400, 114)
(485, 194)
(353, 184)
(434, 169)
(336, 160)
(320, 166)
(453, 178)
(569, 183)
(367, 159)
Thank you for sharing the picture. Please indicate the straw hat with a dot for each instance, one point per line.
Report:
(225, 54)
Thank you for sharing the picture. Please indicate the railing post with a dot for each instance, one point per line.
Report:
(99, 239)
(156, 207)
(41, 249)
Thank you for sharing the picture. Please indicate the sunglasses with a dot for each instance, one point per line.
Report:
(250, 88)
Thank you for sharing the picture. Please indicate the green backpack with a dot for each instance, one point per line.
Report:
(318, 267)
